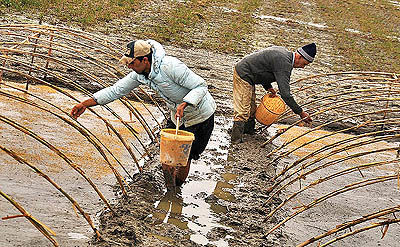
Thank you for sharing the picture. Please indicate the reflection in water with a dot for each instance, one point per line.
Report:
(162, 238)
(313, 141)
(222, 194)
(170, 210)
(74, 235)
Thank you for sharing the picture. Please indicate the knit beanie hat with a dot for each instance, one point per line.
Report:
(308, 52)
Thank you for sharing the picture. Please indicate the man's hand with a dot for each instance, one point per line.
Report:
(81, 107)
(179, 110)
(306, 118)
(77, 110)
(272, 92)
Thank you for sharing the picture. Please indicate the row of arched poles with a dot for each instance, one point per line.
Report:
(61, 58)
(337, 103)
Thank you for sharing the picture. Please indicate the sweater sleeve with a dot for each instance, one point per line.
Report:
(283, 79)
(266, 86)
(121, 88)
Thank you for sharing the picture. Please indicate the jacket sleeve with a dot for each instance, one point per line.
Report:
(183, 76)
(121, 88)
(283, 79)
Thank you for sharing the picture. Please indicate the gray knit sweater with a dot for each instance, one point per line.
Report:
(274, 64)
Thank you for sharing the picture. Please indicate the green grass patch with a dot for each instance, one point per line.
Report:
(220, 25)
(224, 26)
(81, 12)
(366, 33)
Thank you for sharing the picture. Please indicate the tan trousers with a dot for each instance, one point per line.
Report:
(244, 99)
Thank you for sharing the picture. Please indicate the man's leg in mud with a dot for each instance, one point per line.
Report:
(169, 176)
(169, 172)
(176, 176)
(249, 126)
(182, 173)
(243, 97)
(202, 133)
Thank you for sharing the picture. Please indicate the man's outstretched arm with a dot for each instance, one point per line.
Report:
(81, 107)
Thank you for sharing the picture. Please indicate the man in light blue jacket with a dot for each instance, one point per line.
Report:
(185, 93)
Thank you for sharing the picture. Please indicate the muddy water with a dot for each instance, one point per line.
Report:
(37, 195)
(347, 206)
(315, 221)
(199, 208)
(190, 207)
(322, 138)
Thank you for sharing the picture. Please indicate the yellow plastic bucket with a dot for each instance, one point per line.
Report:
(175, 148)
(270, 109)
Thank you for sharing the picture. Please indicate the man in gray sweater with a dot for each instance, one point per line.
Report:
(274, 64)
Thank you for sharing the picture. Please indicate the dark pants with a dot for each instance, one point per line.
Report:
(202, 133)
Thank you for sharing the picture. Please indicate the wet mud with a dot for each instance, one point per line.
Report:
(226, 199)
(54, 147)
(210, 209)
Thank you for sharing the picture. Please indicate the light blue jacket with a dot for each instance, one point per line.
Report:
(173, 81)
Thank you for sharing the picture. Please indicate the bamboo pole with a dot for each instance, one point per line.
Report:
(336, 151)
(48, 54)
(40, 30)
(318, 128)
(77, 86)
(327, 178)
(97, 60)
(326, 147)
(373, 225)
(344, 189)
(89, 76)
(347, 225)
(348, 147)
(323, 111)
(90, 109)
(42, 174)
(80, 125)
(353, 128)
(303, 174)
(34, 51)
(389, 75)
(42, 228)
(59, 153)
(333, 97)
(79, 129)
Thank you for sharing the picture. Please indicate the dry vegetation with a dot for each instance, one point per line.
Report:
(363, 34)
(353, 102)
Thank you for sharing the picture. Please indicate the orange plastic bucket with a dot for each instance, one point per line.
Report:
(270, 109)
(175, 148)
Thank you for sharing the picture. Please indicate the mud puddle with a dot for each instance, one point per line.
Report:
(334, 209)
(224, 202)
(195, 214)
(37, 195)
(188, 207)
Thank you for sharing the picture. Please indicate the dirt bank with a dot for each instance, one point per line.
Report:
(224, 202)
(236, 199)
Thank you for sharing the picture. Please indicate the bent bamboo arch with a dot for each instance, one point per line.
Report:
(61, 59)
(346, 138)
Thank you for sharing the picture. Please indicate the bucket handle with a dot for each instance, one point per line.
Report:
(177, 126)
